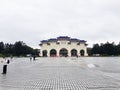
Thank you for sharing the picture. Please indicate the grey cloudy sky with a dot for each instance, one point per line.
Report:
(30, 21)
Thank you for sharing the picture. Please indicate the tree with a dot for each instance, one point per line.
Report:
(17, 49)
(109, 48)
(1, 47)
(20, 48)
(117, 48)
(106, 49)
(96, 49)
(36, 52)
(8, 49)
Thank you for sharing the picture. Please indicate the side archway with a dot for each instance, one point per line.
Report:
(82, 52)
(63, 52)
(73, 52)
(53, 53)
(44, 52)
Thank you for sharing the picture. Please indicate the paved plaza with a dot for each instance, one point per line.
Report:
(83, 73)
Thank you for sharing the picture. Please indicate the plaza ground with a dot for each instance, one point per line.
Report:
(83, 73)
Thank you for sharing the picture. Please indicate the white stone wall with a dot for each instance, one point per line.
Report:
(64, 44)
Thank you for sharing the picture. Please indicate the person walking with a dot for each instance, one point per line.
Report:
(30, 57)
(4, 62)
(34, 57)
(11, 56)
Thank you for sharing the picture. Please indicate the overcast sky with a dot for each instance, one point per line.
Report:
(30, 21)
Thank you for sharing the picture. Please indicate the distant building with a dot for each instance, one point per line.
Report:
(63, 46)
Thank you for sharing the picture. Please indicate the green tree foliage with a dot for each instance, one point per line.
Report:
(96, 49)
(8, 49)
(17, 49)
(106, 49)
(1, 47)
(36, 52)
(20, 48)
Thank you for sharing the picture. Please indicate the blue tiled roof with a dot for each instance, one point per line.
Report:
(74, 40)
(44, 41)
(52, 40)
(63, 38)
(82, 41)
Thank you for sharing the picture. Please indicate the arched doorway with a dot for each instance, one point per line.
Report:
(44, 52)
(53, 53)
(63, 52)
(82, 52)
(73, 52)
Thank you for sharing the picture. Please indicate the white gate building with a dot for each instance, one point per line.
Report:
(63, 46)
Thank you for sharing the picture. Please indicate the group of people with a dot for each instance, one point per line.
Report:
(34, 57)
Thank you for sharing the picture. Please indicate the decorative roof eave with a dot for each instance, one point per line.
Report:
(40, 44)
(86, 44)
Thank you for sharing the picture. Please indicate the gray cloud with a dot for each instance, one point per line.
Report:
(32, 21)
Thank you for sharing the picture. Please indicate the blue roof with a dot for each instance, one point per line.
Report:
(44, 41)
(63, 37)
(74, 40)
(52, 40)
(83, 41)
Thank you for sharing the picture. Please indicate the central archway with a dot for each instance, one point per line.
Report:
(73, 52)
(53, 53)
(63, 52)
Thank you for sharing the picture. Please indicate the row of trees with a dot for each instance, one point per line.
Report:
(106, 49)
(17, 49)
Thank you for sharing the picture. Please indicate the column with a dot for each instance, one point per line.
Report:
(69, 53)
(58, 53)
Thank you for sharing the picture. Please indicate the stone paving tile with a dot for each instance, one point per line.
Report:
(54, 74)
